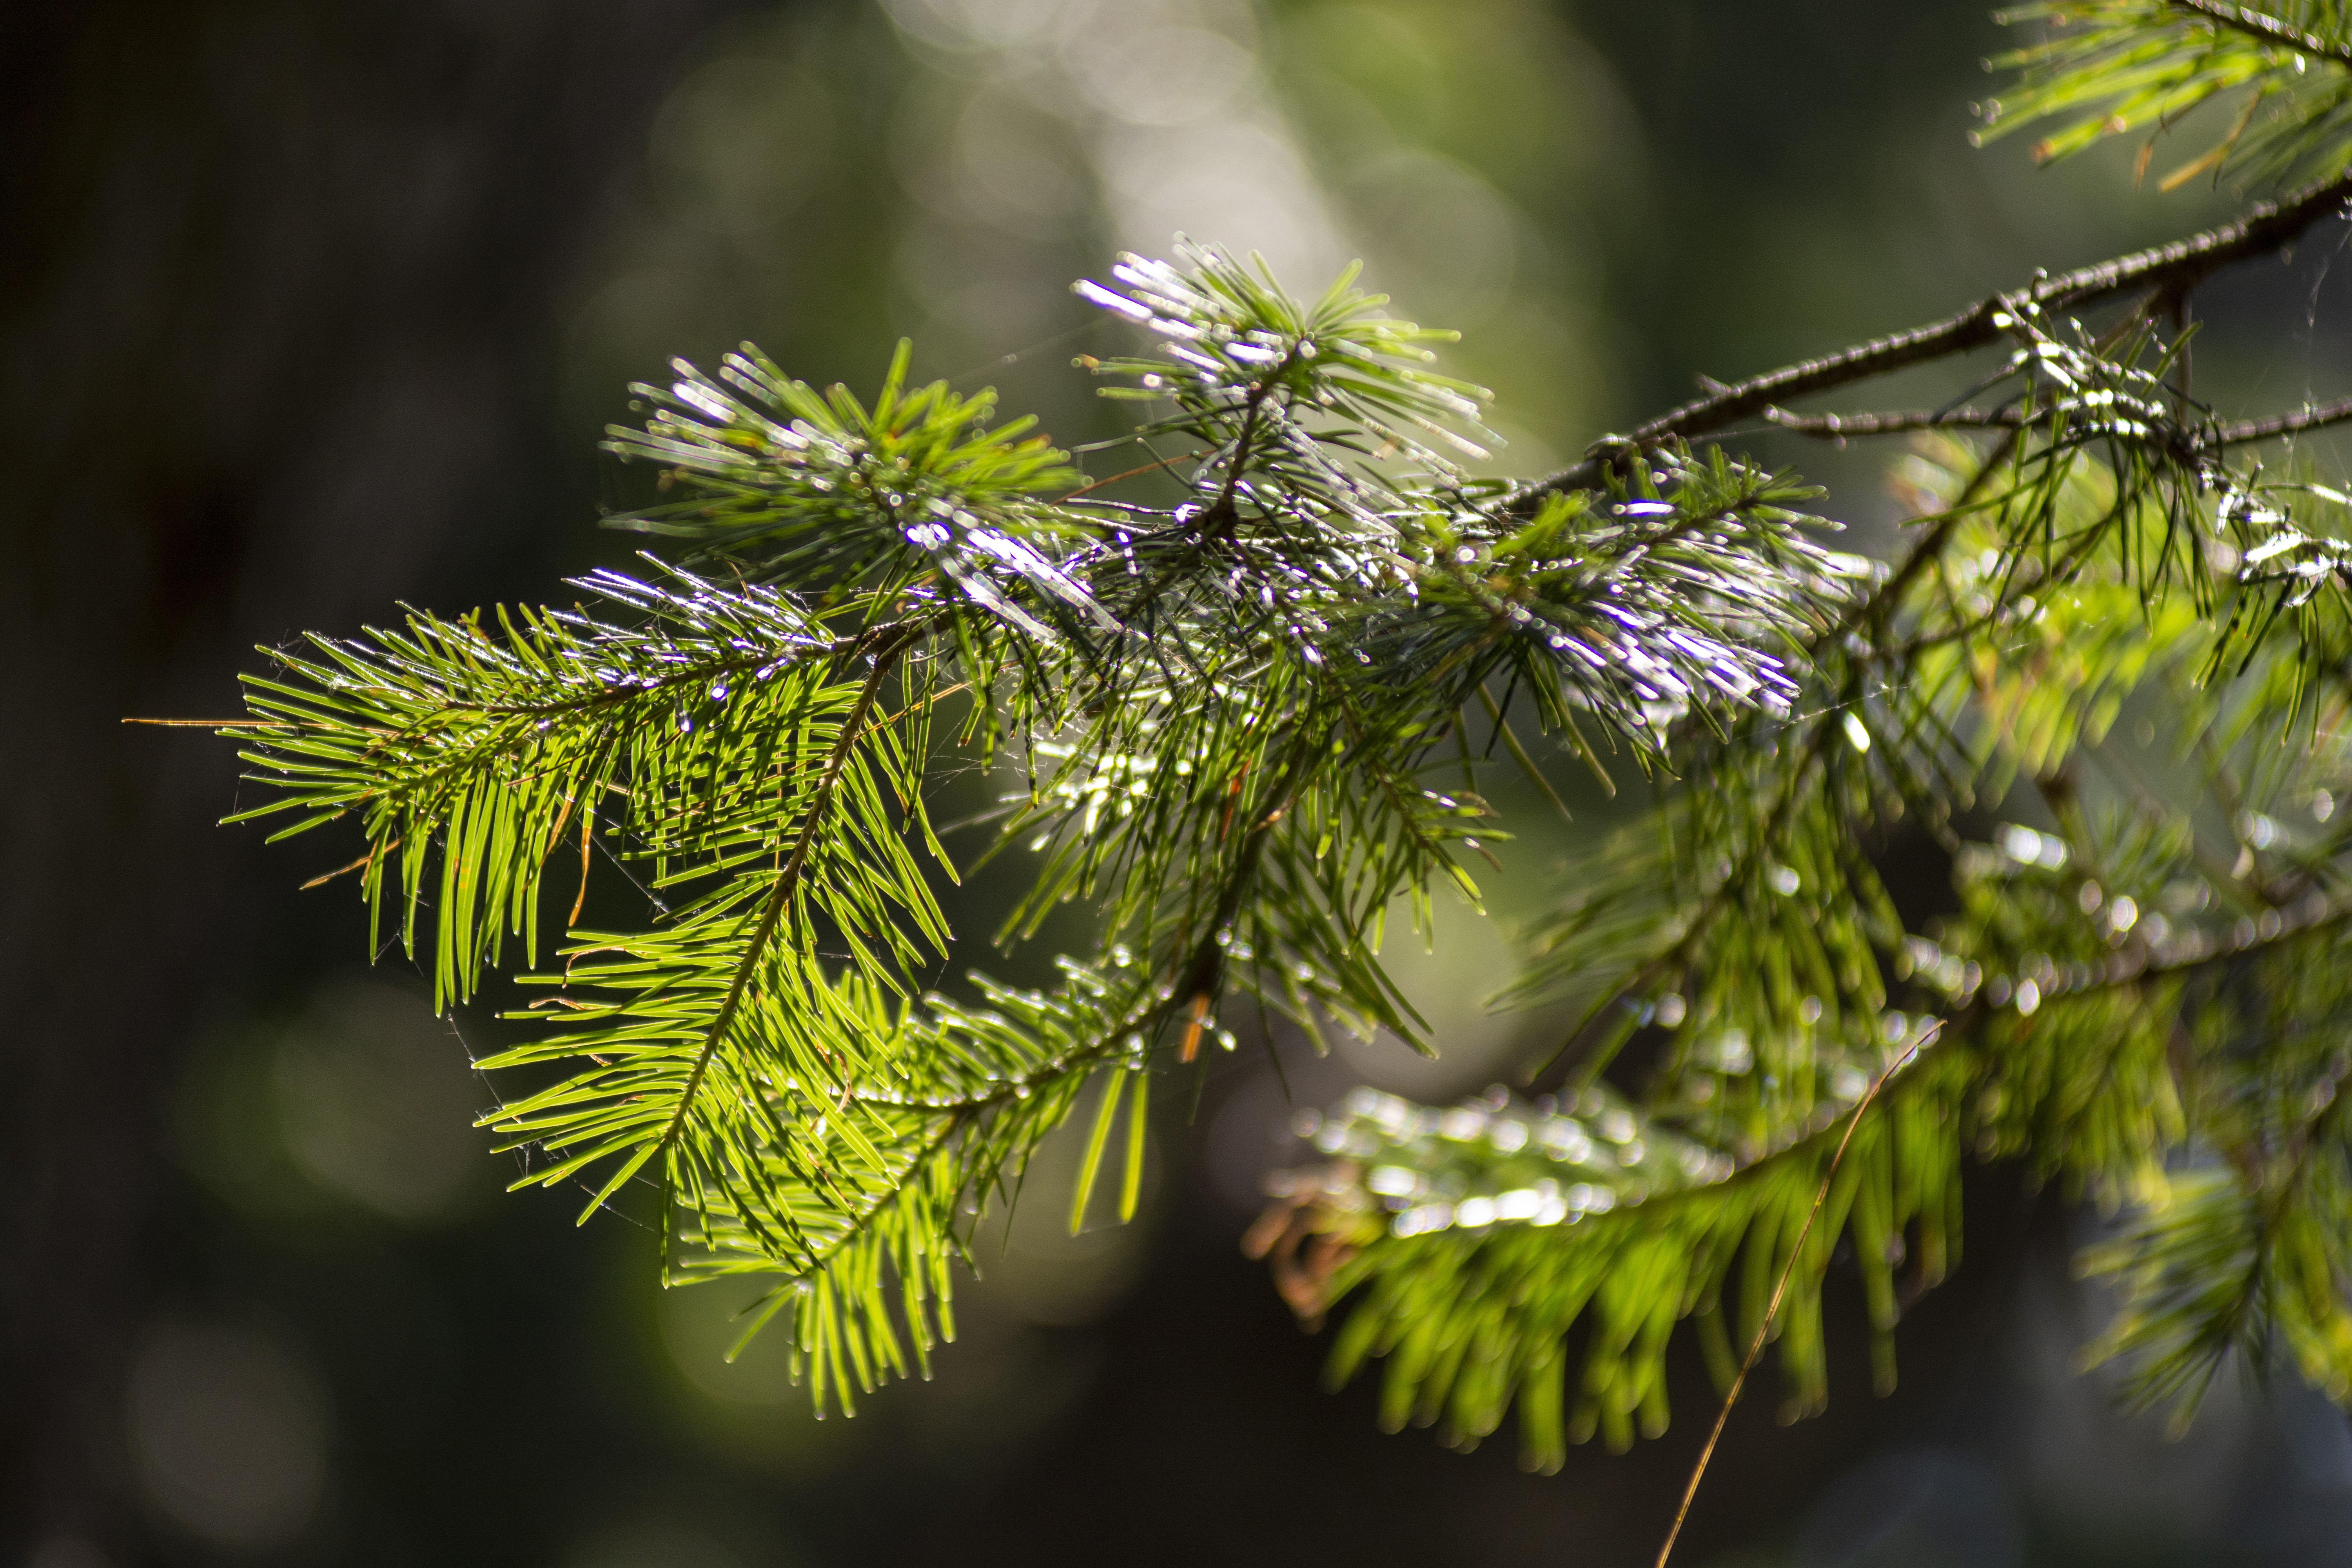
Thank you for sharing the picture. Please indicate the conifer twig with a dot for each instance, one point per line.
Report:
(2238, 432)
(2269, 28)
(2266, 227)
(2312, 418)
(886, 650)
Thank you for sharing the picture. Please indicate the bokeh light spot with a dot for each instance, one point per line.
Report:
(378, 1102)
(227, 1434)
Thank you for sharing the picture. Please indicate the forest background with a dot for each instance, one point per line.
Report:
(308, 310)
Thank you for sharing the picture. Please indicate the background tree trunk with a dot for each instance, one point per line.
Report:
(273, 310)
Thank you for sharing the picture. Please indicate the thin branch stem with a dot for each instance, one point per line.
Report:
(2313, 418)
(1130, 473)
(1839, 426)
(1781, 1291)
(2268, 226)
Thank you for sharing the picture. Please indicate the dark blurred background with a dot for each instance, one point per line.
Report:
(308, 310)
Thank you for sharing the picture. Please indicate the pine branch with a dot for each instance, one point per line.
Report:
(477, 751)
(883, 650)
(1226, 713)
(2110, 67)
(980, 1090)
(2238, 1256)
(2270, 28)
(1446, 1216)
(1556, 1213)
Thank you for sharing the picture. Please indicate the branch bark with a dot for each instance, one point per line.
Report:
(2238, 432)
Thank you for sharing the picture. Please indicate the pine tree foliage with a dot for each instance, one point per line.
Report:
(2110, 68)
(1231, 692)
